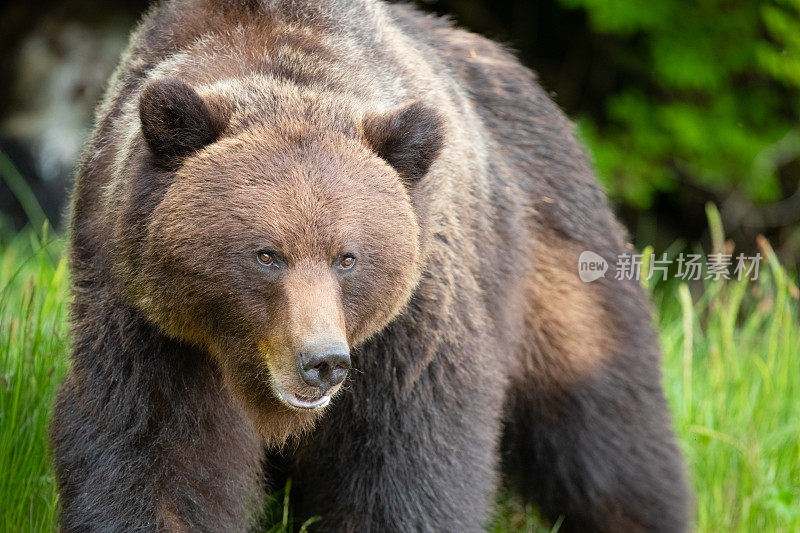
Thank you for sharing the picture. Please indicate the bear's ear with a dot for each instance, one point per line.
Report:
(177, 122)
(409, 138)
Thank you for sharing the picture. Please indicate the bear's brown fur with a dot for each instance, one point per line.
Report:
(272, 178)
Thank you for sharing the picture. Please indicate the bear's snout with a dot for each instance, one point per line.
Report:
(324, 366)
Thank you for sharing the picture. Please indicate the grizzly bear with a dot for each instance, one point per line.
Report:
(338, 240)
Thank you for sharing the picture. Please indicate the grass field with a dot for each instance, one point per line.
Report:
(731, 372)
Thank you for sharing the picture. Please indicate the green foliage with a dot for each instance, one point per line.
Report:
(706, 90)
(731, 354)
(781, 57)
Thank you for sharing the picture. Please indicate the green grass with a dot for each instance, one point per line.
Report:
(732, 375)
(33, 349)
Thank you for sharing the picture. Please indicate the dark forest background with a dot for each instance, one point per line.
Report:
(681, 103)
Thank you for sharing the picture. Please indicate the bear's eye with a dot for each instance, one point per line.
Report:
(266, 258)
(347, 262)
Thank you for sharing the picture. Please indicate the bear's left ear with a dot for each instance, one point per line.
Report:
(409, 138)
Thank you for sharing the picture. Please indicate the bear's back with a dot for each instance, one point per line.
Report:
(541, 157)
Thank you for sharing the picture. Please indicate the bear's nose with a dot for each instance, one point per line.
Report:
(326, 367)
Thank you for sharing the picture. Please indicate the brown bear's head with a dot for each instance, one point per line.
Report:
(280, 239)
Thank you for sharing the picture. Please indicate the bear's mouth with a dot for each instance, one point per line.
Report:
(296, 401)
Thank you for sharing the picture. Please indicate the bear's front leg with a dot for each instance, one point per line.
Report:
(145, 437)
(402, 455)
(589, 436)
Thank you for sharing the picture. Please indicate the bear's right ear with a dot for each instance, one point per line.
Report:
(177, 122)
(408, 138)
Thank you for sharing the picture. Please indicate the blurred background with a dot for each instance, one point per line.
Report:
(681, 103)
